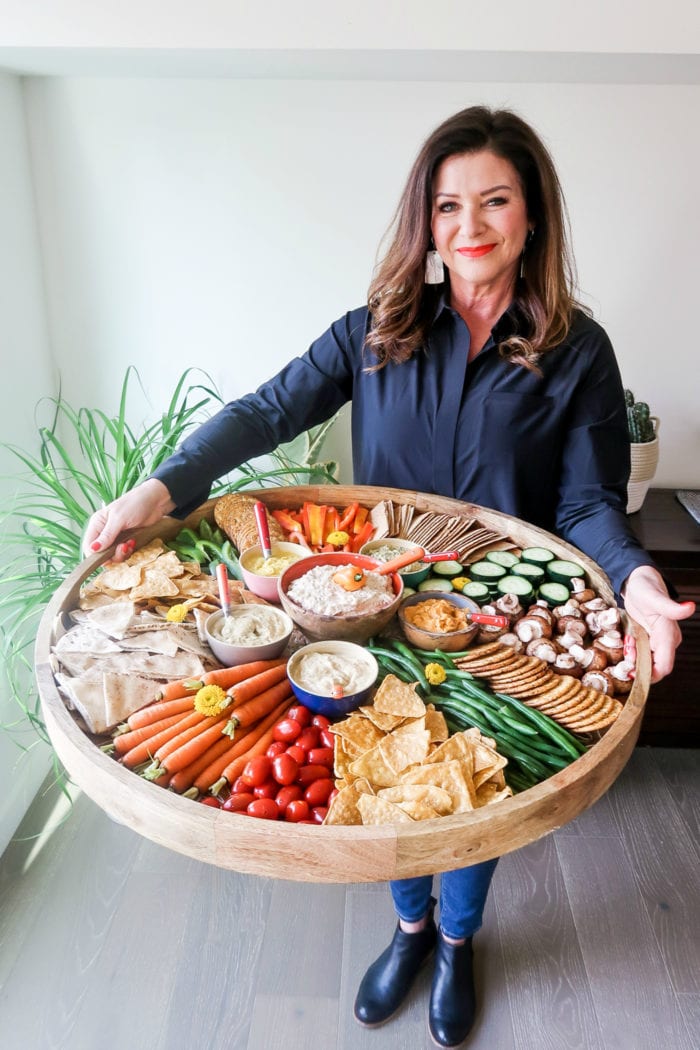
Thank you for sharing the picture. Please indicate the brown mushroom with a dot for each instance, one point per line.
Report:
(543, 649)
(590, 659)
(530, 627)
(622, 676)
(598, 680)
(566, 664)
(611, 644)
(512, 641)
(581, 591)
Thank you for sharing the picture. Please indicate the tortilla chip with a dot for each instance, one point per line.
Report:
(397, 698)
(375, 810)
(343, 809)
(436, 725)
(436, 797)
(381, 719)
(447, 775)
(417, 809)
(400, 751)
(119, 578)
(155, 584)
(373, 765)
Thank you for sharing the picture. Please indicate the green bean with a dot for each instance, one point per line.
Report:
(403, 665)
(547, 726)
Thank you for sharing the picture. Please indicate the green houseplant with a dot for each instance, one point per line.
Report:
(87, 457)
(644, 449)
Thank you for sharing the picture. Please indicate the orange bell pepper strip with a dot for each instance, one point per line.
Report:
(332, 522)
(315, 520)
(361, 516)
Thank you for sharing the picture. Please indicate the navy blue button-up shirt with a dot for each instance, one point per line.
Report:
(551, 449)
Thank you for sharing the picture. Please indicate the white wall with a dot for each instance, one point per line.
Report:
(26, 376)
(225, 223)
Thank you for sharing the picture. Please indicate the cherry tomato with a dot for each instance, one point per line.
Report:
(286, 730)
(267, 790)
(211, 801)
(257, 771)
(285, 795)
(284, 769)
(263, 807)
(318, 814)
(297, 810)
(297, 753)
(308, 738)
(327, 738)
(238, 803)
(277, 747)
(318, 792)
(332, 795)
(307, 774)
(321, 756)
(320, 721)
(300, 714)
(239, 785)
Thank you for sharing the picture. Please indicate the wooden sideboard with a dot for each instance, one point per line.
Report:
(672, 537)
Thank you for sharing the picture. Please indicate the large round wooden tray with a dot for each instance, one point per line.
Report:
(332, 853)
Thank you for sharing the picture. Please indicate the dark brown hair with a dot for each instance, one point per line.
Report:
(402, 305)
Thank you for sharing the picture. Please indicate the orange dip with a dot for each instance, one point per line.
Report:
(436, 615)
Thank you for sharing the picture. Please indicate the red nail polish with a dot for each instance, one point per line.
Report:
(94, 546)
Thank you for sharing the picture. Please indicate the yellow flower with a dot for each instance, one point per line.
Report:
(211, 700)
(176, 613)
(435, 674)
(459, 582)
(338, 539)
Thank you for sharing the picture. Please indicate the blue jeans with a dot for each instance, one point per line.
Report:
(462, 898)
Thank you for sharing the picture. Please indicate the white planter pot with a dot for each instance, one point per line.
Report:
(645, 459)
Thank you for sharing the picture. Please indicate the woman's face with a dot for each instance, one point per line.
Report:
(479, 220)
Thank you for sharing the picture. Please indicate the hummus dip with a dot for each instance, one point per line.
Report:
(437, 616)
(275, 564)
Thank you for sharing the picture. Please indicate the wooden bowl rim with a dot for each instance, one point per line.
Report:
(348, 853)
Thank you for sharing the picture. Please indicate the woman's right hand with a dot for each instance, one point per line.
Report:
(144, 505)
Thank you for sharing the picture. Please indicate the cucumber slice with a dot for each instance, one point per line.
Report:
(486, 571)
(564, 571)
(505, 558)
(554, 593)
(537, 555)
(517, 585)
(408, 590)
(534, 573)
(448, 569)
(434, 584)
(477, 591)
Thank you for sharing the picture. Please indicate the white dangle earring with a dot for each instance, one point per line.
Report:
(434, 267)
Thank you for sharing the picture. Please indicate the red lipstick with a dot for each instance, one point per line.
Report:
(476, 253)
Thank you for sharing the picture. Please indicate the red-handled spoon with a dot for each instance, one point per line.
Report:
(441, 556)
(492, 621)
(263, 528)
(224, 591)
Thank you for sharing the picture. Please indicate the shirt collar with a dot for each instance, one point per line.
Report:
(506, 325)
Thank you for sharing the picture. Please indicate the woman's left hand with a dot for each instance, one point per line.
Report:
(648, 602)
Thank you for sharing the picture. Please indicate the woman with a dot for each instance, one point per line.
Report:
(473, 373)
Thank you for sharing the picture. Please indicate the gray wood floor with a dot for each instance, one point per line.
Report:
(591, 938)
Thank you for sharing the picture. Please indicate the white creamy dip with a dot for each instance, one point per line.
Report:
(321, 673)
(251, 626)
(317, 592)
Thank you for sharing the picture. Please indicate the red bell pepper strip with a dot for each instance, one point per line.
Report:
(347, 518)
(359, 539)
(287, 520)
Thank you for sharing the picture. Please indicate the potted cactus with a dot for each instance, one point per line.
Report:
(644, 450)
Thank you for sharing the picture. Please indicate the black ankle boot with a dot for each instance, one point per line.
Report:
(452, 997)
(388, 980)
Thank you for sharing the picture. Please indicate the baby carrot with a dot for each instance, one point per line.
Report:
(260, 705)
(185, 778)
(188, 734)
(257, 741)
(192, 749)
(154, 712)
(229, 676)
(223, 676)
(257, 684)
(124, 742)
(147, 748)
